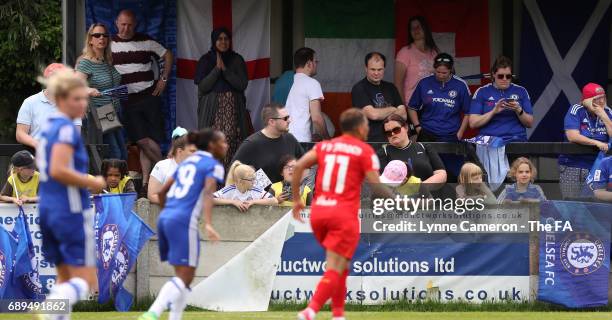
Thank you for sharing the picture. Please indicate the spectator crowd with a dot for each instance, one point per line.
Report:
(427, 102)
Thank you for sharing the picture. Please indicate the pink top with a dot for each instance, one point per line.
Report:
(418, 65)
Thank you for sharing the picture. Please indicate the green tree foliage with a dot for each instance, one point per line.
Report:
(30, 38)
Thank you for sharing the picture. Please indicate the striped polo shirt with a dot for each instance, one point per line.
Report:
(134, 58)
(101, 76)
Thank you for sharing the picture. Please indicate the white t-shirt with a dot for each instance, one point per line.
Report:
(231, 192)
(304, 90)
(164, 170)
(34, 111)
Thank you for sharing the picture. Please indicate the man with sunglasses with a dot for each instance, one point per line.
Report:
(264, 149)
(377, 98)
(502, 108)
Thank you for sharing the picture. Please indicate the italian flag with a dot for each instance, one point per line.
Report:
(343, 32)
(249, 22)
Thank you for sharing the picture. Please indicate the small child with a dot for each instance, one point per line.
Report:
(523, 190)
(22, 183)
(116, 172)
(471, 184)
(282, 189)
(239, 190)
(397, 176)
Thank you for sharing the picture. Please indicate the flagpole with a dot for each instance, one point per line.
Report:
(14, 183)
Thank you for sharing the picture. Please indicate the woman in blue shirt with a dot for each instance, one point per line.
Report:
(66, 216)
(502, 108)
(589, 124)
(437, 102)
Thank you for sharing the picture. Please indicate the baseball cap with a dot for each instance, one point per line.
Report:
(23, 159)
(178, 132)
(52, 68)
(592, 90)
(395, 172)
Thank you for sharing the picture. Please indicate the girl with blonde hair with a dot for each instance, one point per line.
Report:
(471, 184)
(523, 172)
(239, 190)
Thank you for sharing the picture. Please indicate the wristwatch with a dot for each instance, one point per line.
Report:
(522, 111)
(164, 79)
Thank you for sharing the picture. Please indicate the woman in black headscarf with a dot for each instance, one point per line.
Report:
(221, 77)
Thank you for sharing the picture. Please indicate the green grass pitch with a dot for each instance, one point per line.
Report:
(359, 315)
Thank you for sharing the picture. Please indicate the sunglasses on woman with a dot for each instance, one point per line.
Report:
(393, 131)
(98, 35)
(501, 76)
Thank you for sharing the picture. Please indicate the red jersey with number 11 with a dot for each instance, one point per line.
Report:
(343, 163)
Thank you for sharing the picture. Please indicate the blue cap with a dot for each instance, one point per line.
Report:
(178, 132)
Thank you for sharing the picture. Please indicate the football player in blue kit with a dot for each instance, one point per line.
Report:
(66, 216)
(189, 193)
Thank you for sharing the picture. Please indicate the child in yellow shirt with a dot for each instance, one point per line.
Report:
(22, 185)
(117, 177)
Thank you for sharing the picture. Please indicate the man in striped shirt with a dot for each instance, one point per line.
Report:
(133, 56)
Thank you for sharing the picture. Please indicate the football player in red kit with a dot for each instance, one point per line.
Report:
(344, 163)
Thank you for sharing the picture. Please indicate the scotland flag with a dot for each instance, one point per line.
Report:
(575, 265)
(120, 235)
(563, 47)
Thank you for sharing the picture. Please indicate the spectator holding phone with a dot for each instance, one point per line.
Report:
(502, 108)
(282, 189)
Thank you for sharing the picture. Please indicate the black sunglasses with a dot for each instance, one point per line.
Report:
(98, 35)
(393, 131)
(501, 76)
(285, 118)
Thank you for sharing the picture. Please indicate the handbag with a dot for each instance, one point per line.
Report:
(105, 117)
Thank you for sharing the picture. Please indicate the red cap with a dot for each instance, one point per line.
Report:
(592, 90)
(52, 68)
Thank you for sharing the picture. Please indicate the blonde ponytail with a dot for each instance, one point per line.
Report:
(231, 179)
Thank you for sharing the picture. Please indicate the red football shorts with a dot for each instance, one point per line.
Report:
(336, 229)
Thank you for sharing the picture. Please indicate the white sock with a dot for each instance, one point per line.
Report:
(74, 290)
(167, 295)
(178, 306)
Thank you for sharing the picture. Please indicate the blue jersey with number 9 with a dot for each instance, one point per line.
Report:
(184, 199)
